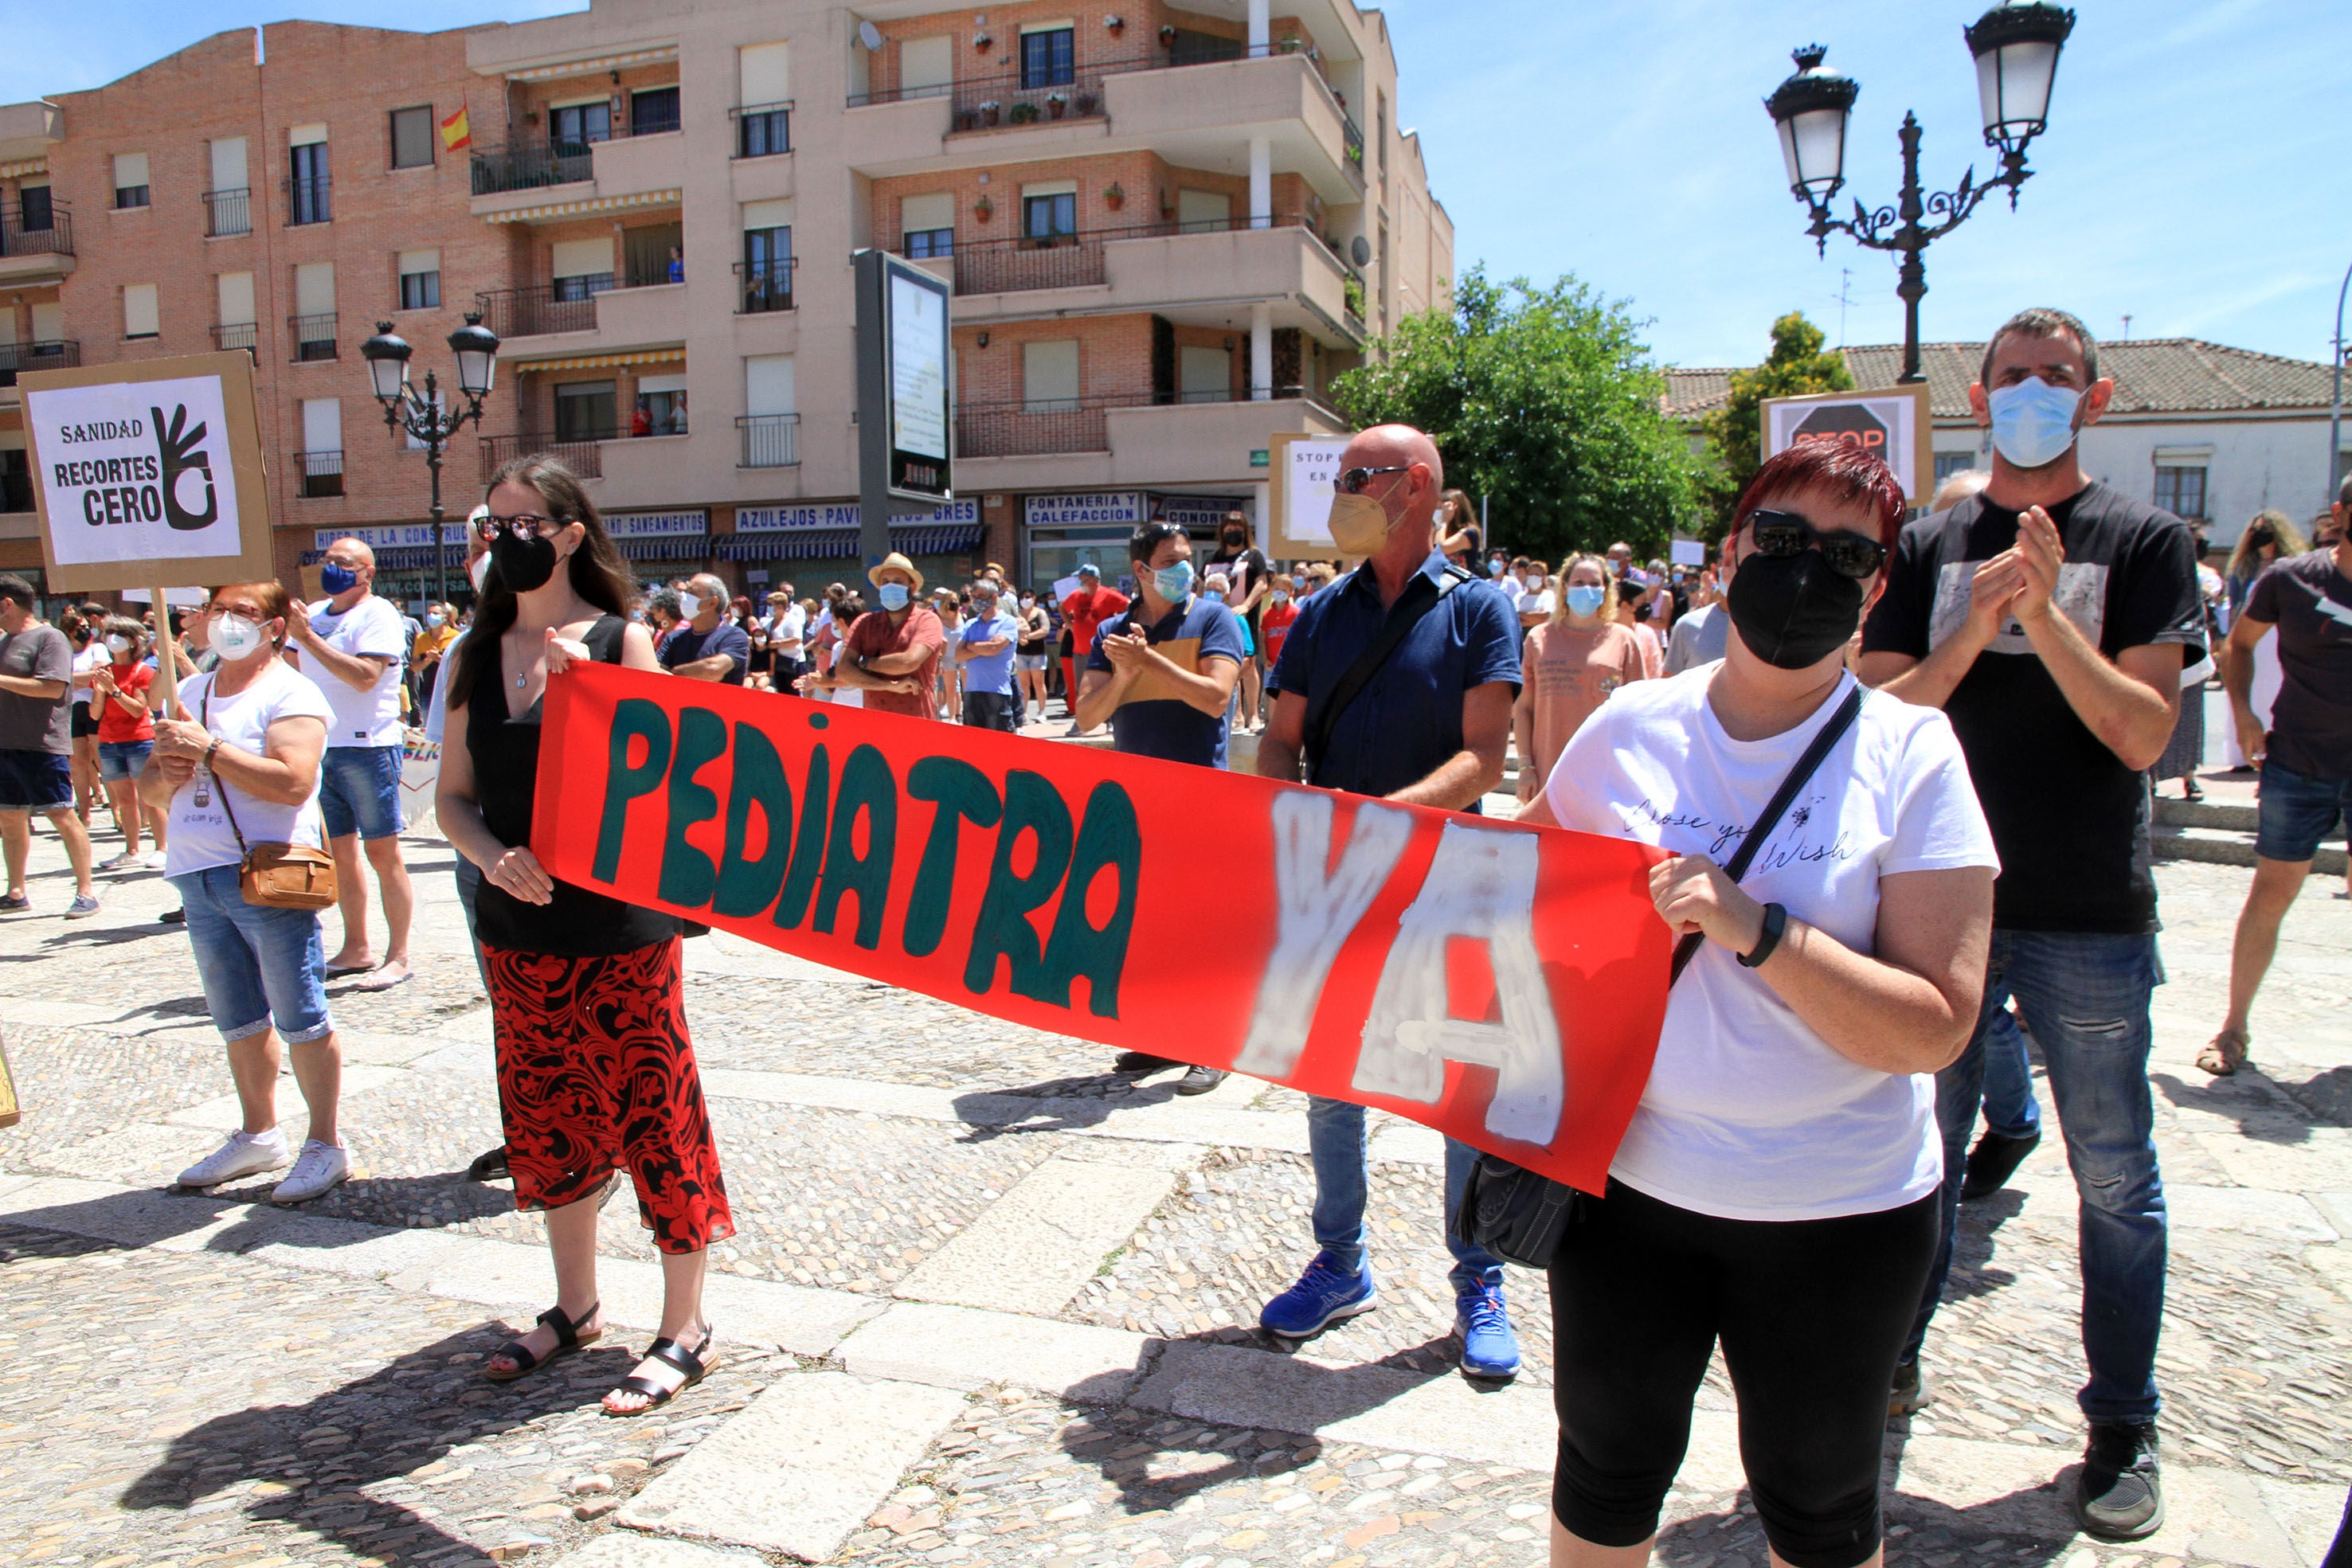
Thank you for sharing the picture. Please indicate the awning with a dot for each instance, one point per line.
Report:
(582, 207)
(673, 546)
(822, 544)
(599, 361)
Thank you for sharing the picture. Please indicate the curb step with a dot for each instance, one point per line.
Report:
(2225, 846)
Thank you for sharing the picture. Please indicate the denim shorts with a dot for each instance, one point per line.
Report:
(359, 790)
(2297, 811)
(260, 965)
(121, 760)
(36, 782)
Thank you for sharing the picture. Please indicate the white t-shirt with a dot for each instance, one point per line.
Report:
(84, 662)
(1749, 1114)
(1538, 601)
(201, 837)
(371, 628)
(787, 627)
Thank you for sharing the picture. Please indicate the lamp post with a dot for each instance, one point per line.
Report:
(423, 417)
(2016, 47)
(2335, 401)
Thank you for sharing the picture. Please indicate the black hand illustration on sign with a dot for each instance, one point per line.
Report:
(177, 448)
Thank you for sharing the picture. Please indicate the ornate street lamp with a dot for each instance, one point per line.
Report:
(423, 417)
(2016, 45)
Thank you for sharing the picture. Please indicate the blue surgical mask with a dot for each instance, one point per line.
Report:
(1494, 568)
(433, 619)
(2033, 421)
(337, 578)
(894, 596)
(1584, 599)
(1214, 595)
(1174, 582)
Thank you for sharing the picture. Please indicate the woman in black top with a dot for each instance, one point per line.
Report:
(595, 1071)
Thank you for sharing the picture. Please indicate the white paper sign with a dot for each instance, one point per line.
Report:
(1688, 552)
(1314, 464)
(136, 471)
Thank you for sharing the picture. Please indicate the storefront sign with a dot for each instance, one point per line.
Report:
(399, 536)
(657, 525)
(1105, 507)
(845, 515)
(1503, 985)
(1202, 514)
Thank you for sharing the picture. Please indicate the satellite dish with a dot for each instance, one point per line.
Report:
(870, 36)
(1361, 250)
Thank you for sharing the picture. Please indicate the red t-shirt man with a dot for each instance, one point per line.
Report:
(873, 635)
(1086, 609)
(1275, 625)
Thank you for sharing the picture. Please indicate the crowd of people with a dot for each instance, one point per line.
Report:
(1939, 734)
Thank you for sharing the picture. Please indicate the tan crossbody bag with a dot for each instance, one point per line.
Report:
(276, 875)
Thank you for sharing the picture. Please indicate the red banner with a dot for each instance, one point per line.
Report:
(1503, 985)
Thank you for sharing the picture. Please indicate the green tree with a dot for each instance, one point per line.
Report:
(1735, 433)
(1546, 405)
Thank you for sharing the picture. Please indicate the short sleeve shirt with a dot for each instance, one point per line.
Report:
(38, 724)
(1086, 613)
(686, 645)
(873, 636)
(373, 628)
(2070, 819)
(202, 836)
(1407, 721)
(1569, 673)
(121, 728)
(990, 672)
(2310, 602)
(1165, 726)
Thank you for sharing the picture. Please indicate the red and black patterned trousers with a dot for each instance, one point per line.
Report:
(595, 1073)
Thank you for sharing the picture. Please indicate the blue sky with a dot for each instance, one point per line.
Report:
(2194, 174)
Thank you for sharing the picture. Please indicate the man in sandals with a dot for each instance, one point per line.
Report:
(2307, 757)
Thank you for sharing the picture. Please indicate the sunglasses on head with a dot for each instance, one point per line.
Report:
(1351, 481)
(1786, 534)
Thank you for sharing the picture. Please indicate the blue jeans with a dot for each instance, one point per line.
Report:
(2085, 998)
(1339, 1143)
(259, 964)
(2010, 1111)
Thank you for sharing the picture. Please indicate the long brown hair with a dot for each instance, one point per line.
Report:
(599, 575)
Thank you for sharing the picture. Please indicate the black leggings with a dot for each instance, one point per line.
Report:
(1811, 1314)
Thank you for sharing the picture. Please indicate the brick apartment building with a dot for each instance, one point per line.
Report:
(1168, 230)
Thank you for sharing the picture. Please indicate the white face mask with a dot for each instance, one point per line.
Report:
(690, 605)
(118, 646)
(235, 637)
(479, 570)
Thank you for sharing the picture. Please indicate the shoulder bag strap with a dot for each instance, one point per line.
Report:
(1824, 738)
(1402, 618)
(205, 718)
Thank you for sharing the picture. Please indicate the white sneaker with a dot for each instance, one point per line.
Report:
(153, 860)
(322, 1167)
(245, 1154)
(126, 860)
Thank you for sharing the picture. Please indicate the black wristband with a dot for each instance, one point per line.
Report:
(1776, 922)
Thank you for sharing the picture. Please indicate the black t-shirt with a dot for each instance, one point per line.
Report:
(2310, 602)
(1244, 568)
(2069, 819)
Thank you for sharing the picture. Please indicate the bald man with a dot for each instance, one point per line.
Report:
(1429, 728)
(353, 645)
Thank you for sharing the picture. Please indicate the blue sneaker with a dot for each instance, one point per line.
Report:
(1489, 1347)
(1324, 1294)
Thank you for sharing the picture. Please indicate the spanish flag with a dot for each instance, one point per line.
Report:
(455, 130)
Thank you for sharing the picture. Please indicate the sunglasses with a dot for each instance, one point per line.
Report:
(523, 525)
(1351, 481)
(1784, 534)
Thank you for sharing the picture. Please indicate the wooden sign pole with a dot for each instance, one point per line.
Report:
(167, 653)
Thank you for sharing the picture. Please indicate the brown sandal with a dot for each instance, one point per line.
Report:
(2228, 1052)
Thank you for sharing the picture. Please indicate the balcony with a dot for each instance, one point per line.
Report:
(1284, 97)
(1026, 428)
(245, 335)
(568, 306)
(35, 246)
(762, 130)
(314, 338)
(319, 474)
(1128, 440)
(764, 286)
(579, 451)
(542, 162)
(770, 440)
(306, 199)
(227, 212)
(61, 354)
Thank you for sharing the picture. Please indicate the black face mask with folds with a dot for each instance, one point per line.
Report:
(1793, 611)
(522, 564)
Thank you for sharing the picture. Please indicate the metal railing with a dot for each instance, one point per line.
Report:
(762, 130)
(307, 198)
(579, 452)
(1073, 260)
(569, 305)
(321, 474)
(1023, 427)
(51, 354)
(53, 238)
(314, 338)
(228, 213)
(770, 440)
(763, 286)
(245, 335)
(15, 492)
(549, 161)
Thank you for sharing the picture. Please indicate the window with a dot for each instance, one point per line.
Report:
(2181, 491)
(139, 314)
(1206, 375)
(928, 224)
(321, 457)
(1049, 376)
(1203, 211)
(306, 183)
(767, 257)
(583, 410)
(763, 132)
(233, 293)
(582, 268)
(770, 430)
(412, 137)
(1046, 57)
(661, 406)
(420, 279)
(1045, 216)
(230, 203)
(763, 90)
(314, 310)
(925, 66)
(1950, 463)
(131, 178)
(923, 243)
(34, 207)
(573, 125)
(653, 111)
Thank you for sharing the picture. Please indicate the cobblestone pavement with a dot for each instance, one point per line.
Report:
(187, 1383)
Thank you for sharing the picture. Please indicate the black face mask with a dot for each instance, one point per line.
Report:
(1794, 610)
(522, 564)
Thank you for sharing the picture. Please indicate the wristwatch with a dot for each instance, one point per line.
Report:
(1776, 923)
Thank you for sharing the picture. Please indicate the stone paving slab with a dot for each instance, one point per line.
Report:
(967, 1348)
(1038, 1244)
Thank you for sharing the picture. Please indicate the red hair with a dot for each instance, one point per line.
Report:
(1837, 469)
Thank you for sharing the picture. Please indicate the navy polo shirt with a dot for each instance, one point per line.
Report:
(1407, 721)
(1164, 727)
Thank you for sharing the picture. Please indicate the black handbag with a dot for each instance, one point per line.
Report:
(1521, 1216)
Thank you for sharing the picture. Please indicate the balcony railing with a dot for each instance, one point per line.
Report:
(578, 451)
(1073, 260)
(55, 354)
(52, 237)
(770, 440)
(307, 198)
(15, 492)
(228, 213)
(1023, 428)
(320, 473)
(566, 306)
(762, 130)
(314, 336)
(763, 286)
(245, 335)
(549, 161)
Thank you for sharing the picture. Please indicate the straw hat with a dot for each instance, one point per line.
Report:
(873, 573)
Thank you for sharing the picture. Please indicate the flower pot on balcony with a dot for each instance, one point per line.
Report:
(988, 112)
(966, 120)
(985, 209)
(1114, 197)
(1167, 37)
(1056, 106)
(982, 42)
(1024, 114)
(1086, 103)
(1117, 25)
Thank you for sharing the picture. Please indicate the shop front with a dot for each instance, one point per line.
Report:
(811, 543)
(1061, 533)
(404, 561)
(659, 545)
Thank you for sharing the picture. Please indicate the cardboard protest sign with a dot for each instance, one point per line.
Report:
(1893, 425)
(149, 474)
(1503, 985)
(1299, 494)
